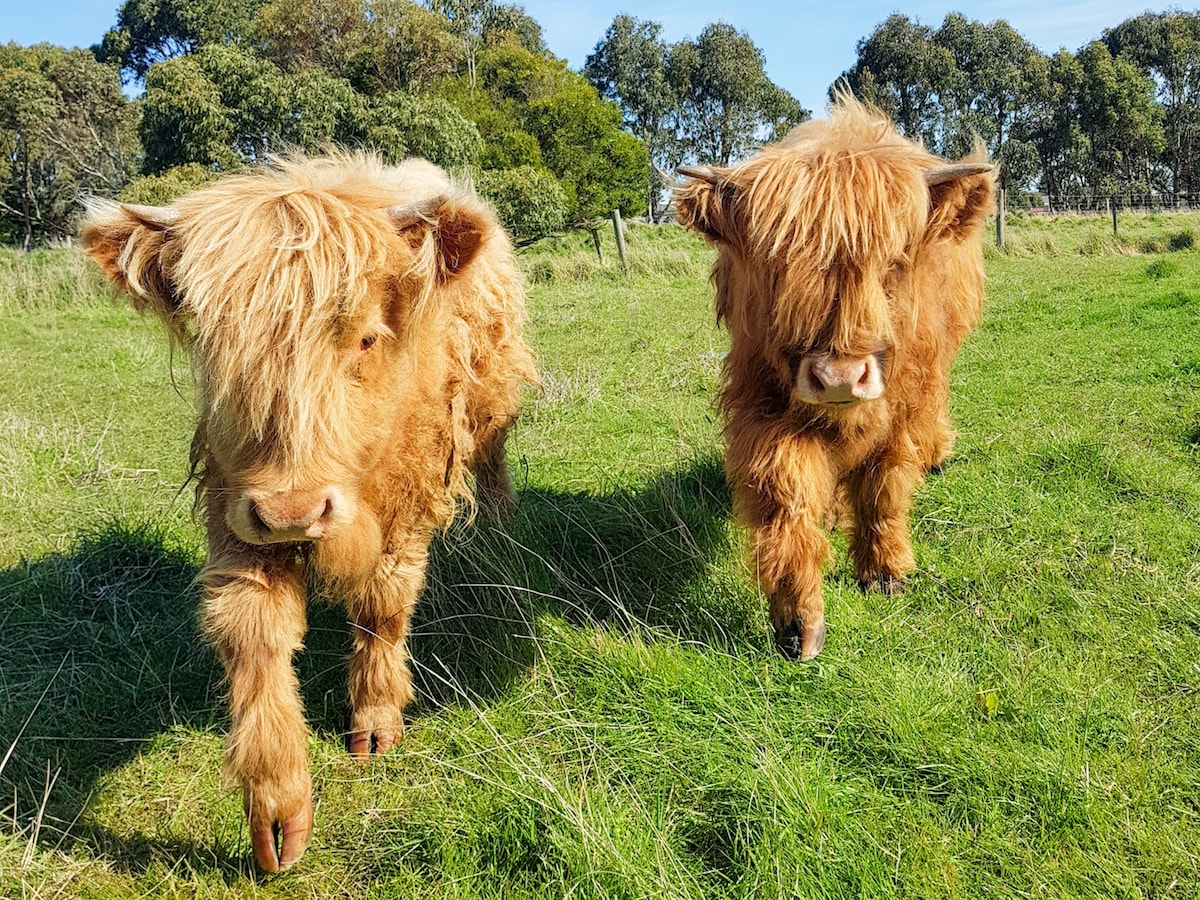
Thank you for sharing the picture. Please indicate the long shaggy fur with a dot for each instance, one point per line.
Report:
(341, 354)
(833, 247)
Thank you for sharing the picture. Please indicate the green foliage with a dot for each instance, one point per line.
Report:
(1119, 119)
(300, 35)
(903, 71)
(65, 131)
(726, 104)
(184, 118)
(166, 186)
(1083, 122)
(400, 125)
(529, 201)
(511, 149)
(150, 31)
(600, 167)
(1166, 47)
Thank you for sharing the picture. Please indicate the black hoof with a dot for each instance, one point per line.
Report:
(787, 640)
(889, 585)
(798, 643)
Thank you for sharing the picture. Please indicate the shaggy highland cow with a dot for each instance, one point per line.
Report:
(849, 272)
(356, 334)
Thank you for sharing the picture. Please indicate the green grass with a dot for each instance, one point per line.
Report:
(1092, 235)
(602, 711)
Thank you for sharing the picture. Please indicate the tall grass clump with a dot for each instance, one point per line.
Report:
(1056, 236)
(48, 279)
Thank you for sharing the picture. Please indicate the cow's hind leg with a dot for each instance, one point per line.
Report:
(493, 484)
(881, 493)
(380, 681)
(255, 617)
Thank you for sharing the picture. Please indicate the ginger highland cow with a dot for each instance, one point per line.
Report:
(849, 272)
(356, 335)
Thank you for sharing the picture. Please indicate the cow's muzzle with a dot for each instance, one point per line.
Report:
(833, 380)
(275, 517)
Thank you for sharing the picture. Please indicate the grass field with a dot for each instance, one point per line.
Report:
(602, 711)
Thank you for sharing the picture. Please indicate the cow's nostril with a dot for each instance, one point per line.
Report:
(256, 519)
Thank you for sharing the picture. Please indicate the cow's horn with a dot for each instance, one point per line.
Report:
(410, 214)
(154, 216)
(950, 171)
(701, 173)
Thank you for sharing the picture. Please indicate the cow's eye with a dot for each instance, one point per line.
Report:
(367, 342)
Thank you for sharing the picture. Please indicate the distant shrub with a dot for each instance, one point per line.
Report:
(400, 125)
(529, 201)
(163, 188)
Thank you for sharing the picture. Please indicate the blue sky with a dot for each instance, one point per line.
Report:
(806, 45)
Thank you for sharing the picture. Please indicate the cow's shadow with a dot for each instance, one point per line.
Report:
(101, 651)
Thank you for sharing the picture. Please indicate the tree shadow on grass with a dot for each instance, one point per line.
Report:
(100, 649)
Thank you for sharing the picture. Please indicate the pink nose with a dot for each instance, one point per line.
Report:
(290, 515)
(834, 379)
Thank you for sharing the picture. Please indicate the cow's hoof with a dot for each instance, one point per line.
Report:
(798, 641)
(888, 585)
(277, 844)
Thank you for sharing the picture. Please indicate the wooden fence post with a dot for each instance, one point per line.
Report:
(619, 229)
(1000, 222)
(596, 241)
(1112, 207)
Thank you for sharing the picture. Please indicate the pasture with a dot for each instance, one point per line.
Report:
(602, 712)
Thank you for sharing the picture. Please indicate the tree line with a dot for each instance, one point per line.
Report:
(468, 84)
(471, 85)
(1117, 118)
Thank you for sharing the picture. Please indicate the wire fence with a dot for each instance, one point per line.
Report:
(1103, 204)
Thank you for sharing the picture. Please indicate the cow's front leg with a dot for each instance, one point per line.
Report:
(790, 553)
(254, 615)
(380, 682)
(881, 493)
(784, 494)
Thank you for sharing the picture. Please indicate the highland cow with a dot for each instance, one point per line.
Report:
(356, 335)
(849, 272)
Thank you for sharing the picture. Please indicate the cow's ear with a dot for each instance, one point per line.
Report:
(705, 202)
(961, 196)
(127, 242)
(458, 231)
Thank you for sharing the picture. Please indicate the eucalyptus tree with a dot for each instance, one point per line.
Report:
(904, 72)
(725, 104)
(151, 31)
(1166, 47)
(629, 67)
(66, 130)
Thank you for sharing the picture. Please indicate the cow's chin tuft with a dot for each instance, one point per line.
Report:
(351, 555)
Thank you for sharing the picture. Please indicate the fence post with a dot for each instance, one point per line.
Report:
(596, 241)
(1112, 208)
(619, 229)
(1000, 222)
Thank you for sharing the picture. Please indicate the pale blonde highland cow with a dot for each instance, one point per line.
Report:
(356, 334)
